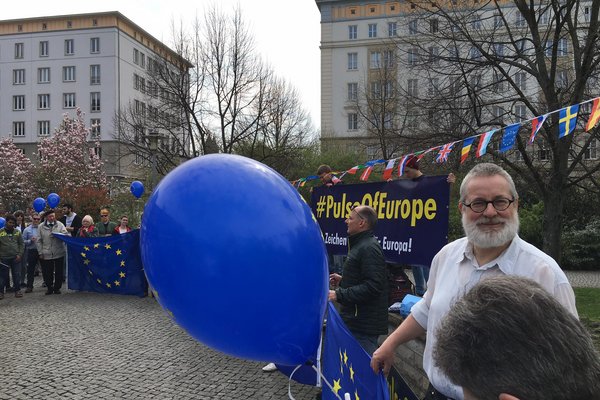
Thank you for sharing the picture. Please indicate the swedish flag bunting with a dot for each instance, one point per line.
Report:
(567, 120)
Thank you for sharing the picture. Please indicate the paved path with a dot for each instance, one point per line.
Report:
(81, 345)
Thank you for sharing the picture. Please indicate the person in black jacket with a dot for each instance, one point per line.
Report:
(70, 219)
(362, 289)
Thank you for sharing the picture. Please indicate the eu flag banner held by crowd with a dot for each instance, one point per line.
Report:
(110, 264)
(346, 366)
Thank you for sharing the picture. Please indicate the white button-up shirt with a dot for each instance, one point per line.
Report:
(454, 271)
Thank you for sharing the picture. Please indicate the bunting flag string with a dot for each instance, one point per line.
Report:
(567, 123)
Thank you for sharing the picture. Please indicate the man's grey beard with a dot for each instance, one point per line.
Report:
(489, 239)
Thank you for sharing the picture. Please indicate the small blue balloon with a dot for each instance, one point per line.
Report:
(53, 200)
(39, 204)
(2, 222)
(137, 189)
(249, 246)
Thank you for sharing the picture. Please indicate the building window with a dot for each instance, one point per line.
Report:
(136, 56)
(375, 60)
(586, 13)
(545, 16)
(412, 87)
(95, 102)
(372, 30)
(19, 50)
(352, 91)
(412, 27)
(94, 22)
(18, 128)
(44, 26)
(544, 153)
(413, 56)
(19, 102)
(434, 55)
(392, 29)
(388, 89)
(94, 45)
(562, 79)
(476, 82)
(69, 74)
(591, 153)
(498, 83)
(499, 50)
(94, 74)
(95, 128)
(352, 32)
(142, 60)
(476, 22)
(69, 47)
(474, 53)
(44, 101)
(352, 121)
(352, 61)
(520, 112)
(68, 100)
(521, 80)
(434, 25)
(98, 151)
(434, 87)
(520, 21)
(498, 114)
(43, 128)
(44, 49)
(136, 81)
(44, 75)
(562, 48)
(376, 90)
(18, 76)
(388, 58)
(498, 22)
(69, 24)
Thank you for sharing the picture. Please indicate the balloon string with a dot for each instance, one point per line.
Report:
(319, 374)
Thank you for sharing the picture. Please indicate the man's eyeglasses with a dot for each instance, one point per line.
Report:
(36, 219)
(480, 206)
(353, 208)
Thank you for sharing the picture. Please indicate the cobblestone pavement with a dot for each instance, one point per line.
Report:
(81, 345)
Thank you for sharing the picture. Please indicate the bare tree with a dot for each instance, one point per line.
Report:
(213, 97)
(502, 62)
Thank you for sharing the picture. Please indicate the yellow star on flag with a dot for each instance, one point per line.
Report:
(86, 248)
(336, 385)
(122, 274)
(122, 263)
(90, 271)
(86, 262)
(345, 358)
(99, 281)
(356, 395)
(96, 245)
(83, 255)
(351, 373)
(118, 252)
(107, 246)
(117, 283)
(108, 285)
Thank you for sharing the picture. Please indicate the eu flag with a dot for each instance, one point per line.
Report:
(346, 366)
(110, 264)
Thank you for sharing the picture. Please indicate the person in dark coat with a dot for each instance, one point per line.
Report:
(362, 289)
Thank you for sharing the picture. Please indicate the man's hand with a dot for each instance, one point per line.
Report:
(451, 178)
(332, 296)
(334, 279)
(382, 359)
(18, 258)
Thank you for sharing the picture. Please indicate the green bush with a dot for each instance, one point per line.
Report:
(531, 220)
(581, 247)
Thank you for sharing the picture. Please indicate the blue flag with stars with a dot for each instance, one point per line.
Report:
(110, 264)
(346, 366)
(508, 140)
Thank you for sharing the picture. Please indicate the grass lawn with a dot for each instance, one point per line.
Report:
(588, 307)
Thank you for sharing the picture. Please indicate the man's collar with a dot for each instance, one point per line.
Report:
(506, 259)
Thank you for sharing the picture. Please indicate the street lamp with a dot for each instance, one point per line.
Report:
(153, 137)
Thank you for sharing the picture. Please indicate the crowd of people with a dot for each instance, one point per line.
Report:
(28, 245)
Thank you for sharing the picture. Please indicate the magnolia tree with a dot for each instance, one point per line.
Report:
(16, 177)
(70, 166)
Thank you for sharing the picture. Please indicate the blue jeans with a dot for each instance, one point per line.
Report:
(15, 268)
(421, 275)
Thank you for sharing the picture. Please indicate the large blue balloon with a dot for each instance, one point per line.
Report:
(237, 258)
(39, 204)
(137, 189)
(53, 200)
(2, 222)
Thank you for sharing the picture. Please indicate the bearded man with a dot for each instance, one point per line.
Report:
(488, 204)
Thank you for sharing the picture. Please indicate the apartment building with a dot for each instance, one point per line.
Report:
(405, 39)
(96, 62)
